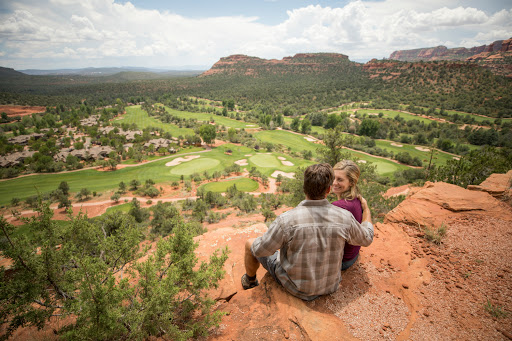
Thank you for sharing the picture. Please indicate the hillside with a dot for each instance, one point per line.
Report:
(403, 287)
(496, 56)
(302, 63)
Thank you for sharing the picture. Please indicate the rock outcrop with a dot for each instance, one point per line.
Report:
(301, 63)
(496, 56)
(403, 286)
(444, 53)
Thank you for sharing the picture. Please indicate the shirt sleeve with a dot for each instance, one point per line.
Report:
(270, 242)
(360, 234)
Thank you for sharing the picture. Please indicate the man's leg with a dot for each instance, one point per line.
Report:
(251, 266)
(251, 263)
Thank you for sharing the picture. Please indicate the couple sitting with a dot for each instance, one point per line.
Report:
(306, 248)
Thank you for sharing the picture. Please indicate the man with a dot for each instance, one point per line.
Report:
(303, 248)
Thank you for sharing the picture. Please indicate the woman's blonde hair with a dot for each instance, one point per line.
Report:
(353, 172)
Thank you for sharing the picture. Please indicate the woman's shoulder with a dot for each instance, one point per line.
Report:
(344, 203)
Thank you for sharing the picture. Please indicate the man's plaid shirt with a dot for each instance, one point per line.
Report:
(311, 238)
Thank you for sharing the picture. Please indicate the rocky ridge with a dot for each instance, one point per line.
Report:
(300, 63)
(403, 287)
(496, 56)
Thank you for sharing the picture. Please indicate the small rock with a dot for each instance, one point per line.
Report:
(406, 286)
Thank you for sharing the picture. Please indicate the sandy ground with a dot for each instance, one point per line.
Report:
(242, 162)
(21, 110)
(179, 160)
(422, 149)
(287, 175)
(396, 144)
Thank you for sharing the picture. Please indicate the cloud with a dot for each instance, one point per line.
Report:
(68, 31)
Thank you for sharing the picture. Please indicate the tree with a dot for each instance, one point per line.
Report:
(305, 126)
(295, 124)
(369, 127)
(207, 133)
(475, 167)
(64, 187)
(232, 134)
(332, 151)
(134, 184)
(83, 194)
(115, 197)
(73, 270)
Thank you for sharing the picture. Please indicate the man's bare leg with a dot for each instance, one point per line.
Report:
(251, 263)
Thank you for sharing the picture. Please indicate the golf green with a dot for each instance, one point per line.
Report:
(194, 166)
(265, 160)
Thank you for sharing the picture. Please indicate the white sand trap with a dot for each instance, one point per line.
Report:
(287, 163)
(422, 149)
(281, 158)
(361, 161)
(179, 160)
(310, 139)
(396, 144)
(456, 158)
(248, 154)
(286, 175)
(242, 162)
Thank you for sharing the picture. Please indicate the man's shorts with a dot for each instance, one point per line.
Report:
(269, 263)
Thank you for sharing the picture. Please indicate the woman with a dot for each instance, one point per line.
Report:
(346, 175)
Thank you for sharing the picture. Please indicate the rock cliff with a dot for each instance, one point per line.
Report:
(403, 287)
(300, 63)
(496, 56)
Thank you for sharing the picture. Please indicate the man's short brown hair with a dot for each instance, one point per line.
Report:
(317, 179)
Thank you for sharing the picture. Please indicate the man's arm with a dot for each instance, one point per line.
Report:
(270, 241)
(367, 215)
(362, 234)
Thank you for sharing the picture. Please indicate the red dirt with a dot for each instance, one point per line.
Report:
(21, 110)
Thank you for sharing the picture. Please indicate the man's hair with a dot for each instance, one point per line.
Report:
(352, 172)
(317, 179)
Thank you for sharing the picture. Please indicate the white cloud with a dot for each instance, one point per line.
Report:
(95, 29)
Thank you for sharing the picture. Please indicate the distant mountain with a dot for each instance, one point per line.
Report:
(496, 56)
(302, 63)
(7, 72)
(107, 71)
(444, 53)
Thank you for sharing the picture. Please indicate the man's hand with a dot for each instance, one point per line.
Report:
(367, 216)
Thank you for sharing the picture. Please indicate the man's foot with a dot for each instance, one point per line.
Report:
(248, 283)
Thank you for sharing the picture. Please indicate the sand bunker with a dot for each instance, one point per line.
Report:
(310, 139)
(287, 175)
(242, 162)
(456, 158)
(422, 149)
(248, 154)
(396, 144)
(179, 160)
(281, 158)
(361, 161)
(287, 163)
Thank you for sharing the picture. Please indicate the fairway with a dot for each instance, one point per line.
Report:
(194, 166)
(440, 157)
(135, 114)
(295, 142)
(393, 113)
(265, 160)
(242, 184)
(207, 117)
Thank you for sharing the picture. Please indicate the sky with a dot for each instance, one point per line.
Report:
(194, 34)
